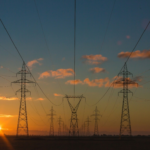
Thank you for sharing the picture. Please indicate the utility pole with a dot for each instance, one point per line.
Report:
(88, 123)
(96, 116)
(51, 132)
(74, 131)
(59, 126)
(125, 124)
(22, 126)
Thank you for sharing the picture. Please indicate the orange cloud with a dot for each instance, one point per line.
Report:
(77, 81)
(55, 94)
(7, 116)
(94, 59)
(138, 79)
(97, 70)
(60, 73)
(40, 99)
(97, 82)
(32, 62)
(137, 54)
(118, 83)
(128, 36)
(29, 98)
(8, 98)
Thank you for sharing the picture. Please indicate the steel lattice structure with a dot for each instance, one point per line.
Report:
(51, 131)
(22, 126)
(96, 116)
(87, 126)
(125, 124)
(59, 126)
(74, 131)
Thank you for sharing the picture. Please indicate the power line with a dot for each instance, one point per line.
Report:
(105, 31)
(46, 43)
(107, 25)
(74, 41)
(123, 65)
(26, 65)
(137, 42)
(39, 100)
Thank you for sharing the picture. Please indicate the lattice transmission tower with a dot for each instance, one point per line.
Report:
(22, 126)
(96, 116)
(125, 124)
(51, 131)
(59, 126)
(87, 126)
(74, 131)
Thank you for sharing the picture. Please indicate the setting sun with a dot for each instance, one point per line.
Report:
(0, 128)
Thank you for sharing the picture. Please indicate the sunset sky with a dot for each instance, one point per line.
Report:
(99, 58)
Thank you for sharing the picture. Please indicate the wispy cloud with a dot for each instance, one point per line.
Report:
(118, 83)
(7, 116)
(97, 82)
(77, 81)
(55, 94)
(60, 73)
(138, 78)
(97, 70)
(33, 62)
(145, 54)
(29, 98)
(40, 99)
(94, 59)
(128, 36)
(8, 98)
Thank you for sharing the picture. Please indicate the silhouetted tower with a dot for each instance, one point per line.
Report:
(22, 126)
(125, 124)
(96, 116)
(51, 131)
(59, 126)
(87, 127)
(74, 131)
(84, 128)
(63, 127)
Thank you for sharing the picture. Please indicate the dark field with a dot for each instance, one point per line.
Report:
(70, 143)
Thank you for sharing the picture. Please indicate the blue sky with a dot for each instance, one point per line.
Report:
(128, 21)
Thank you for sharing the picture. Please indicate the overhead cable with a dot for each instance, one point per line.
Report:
(26, 65)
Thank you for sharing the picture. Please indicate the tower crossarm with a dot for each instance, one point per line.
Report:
(26, 90)
(23, 81)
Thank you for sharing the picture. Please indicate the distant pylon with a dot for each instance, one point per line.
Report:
(59, 126)
(84, 128)
(63, 127)
(74, 131)
(96, 116)
(87, 127)
(22, 126)
(125, 124)
(51, 131)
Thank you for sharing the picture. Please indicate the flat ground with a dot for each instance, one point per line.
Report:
(69, 143)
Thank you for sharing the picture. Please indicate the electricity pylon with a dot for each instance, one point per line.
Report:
(96, 116)
(74, 131)
(22, 125)
(59, 126)
(84, 128)
(51, 131)
(87, 127)
(125, 124)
